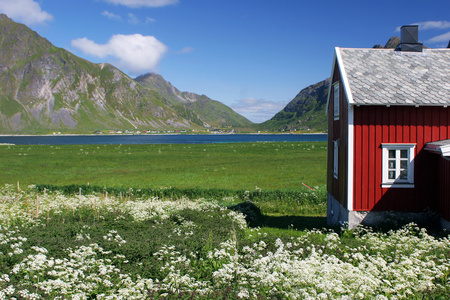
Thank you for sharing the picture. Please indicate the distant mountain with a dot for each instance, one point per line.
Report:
(44, 88)
(211, 112)
(307, 110)
(392, 43)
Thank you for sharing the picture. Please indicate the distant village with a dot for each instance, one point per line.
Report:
(207, 131)
(181, 131)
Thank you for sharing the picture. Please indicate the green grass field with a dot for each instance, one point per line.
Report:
(267, 166)
(268, 174)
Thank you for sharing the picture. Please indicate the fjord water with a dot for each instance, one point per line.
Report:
(159, 139)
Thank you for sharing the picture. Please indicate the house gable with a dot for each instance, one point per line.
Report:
(338, 140)
(338, 73)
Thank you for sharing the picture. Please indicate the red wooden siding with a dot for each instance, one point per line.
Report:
(444, 188)
(374, 125)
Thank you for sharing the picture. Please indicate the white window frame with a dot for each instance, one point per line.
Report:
(395, 167)
(336, 158)
(336, 100)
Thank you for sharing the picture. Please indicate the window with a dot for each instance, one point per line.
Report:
(336, 100)
(398, 166)
(336, 159)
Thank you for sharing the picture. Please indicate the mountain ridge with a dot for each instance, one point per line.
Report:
(44, 88)
(303, 113)
(212, 112)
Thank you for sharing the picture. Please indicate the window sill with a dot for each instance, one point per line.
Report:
(398, 185)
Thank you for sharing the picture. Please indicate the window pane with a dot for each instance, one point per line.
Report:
(391, 164)
(336, 158)
(336, 100)
(398, 164)
(404, 174)
(391, 174)
(403, 164)
(404, 153)
(391, 153)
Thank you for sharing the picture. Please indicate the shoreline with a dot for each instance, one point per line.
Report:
(154, 134)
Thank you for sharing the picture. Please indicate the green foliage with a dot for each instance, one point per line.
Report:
(59, 102)
(98, 246)
(9, 107)
(294, 202)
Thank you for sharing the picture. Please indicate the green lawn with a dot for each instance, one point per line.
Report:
(235, 166)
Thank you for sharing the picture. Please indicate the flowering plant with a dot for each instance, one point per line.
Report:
(97, 246)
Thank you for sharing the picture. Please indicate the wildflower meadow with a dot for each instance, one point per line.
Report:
(55, 245)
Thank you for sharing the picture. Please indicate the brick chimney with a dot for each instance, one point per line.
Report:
(409, 39)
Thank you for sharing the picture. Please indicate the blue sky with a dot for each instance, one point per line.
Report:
(252, 55)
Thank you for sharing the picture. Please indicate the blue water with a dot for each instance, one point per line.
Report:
(160, 139)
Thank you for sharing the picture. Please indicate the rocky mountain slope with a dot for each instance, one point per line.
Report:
(210, 111)
(44, 88)
(307, 110)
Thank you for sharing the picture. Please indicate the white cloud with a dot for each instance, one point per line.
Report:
(132, 19)
(143, 3)
(186, 50)
(433, 25)
(111, 15)
(149, 20)
(440, 38)
(134, 53)
(27, 11)
(257, 110)
(430, 25)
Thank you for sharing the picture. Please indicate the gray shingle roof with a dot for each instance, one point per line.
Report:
(388, 77)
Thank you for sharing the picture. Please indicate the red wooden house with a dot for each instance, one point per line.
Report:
(389, 134)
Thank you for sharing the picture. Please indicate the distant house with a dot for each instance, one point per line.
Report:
(389, 133)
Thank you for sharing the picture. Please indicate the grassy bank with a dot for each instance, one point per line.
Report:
(246, 166)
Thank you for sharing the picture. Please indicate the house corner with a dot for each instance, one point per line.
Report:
(337, 215)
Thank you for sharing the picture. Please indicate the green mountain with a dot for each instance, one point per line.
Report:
(211, 112)
(44, 88)
(305, 112)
